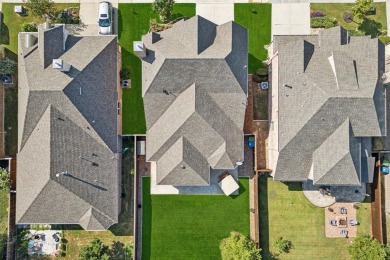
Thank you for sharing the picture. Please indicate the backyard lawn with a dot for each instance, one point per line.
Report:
(133, 22)
(3, 222)
(285, 212)
(191, 226)
(12, 23)
(337, 11)
(257, 19)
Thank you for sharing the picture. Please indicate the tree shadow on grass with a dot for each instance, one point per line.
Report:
(254, 64)
(146, 220)
(4, 31)
(370, 27)
(264, 217)
(120, 23)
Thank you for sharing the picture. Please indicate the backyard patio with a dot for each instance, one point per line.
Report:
(44, 242)
(285, 212)
(340, 220)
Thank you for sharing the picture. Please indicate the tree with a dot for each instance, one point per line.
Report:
(361, 8)
(121, 251)
(164, 8)
(4, 179)
(239, 247)
(41, 8)
(96, 250)
(283, 245)
(29, 27)
(364, 247)
(7, 66)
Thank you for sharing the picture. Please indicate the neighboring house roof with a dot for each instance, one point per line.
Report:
(68, 163)
(326, 82)
(194, 90)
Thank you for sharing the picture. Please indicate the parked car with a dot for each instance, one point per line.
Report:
(105, 18)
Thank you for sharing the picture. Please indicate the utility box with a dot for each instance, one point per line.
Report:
(19, 9)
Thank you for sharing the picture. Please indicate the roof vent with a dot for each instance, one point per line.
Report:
(61, 65)
(140, 49)
(183, 166)
(29, 40)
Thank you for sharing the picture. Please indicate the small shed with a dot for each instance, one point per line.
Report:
(228, 184)
(140, 147)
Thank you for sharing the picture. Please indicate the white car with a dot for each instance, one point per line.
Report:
(105, 18)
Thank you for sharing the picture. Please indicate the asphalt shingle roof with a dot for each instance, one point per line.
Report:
(68, 163)
(323, 81)
(204, 68)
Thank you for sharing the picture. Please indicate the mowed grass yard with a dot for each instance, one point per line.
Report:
(133, 22)
(12, 23)
(3, 222)
(285, 212)
(191, 226)
(257, 19)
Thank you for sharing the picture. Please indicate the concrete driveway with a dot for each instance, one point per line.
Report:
(291, 19)
(89, 17)
(218, 13)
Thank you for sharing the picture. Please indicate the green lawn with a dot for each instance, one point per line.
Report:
(285, 211)
(133, 22)
(3, 222)
(337, 11)
(257, 19)
(191, 226)
(12, 23)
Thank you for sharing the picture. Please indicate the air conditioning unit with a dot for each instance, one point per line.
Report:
(126, 83)
(264, 85)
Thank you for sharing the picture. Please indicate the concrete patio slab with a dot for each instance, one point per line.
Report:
(204, 190)
(338, 194)
(291, 19)
(218, 13)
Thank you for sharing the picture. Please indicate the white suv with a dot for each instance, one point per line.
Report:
(105, 18)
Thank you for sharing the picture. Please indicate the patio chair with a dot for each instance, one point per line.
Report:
(343, 211)
(344, 232)
(353, 222)
(333, 222)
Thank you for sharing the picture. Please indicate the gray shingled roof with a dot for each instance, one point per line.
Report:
(204, 67)
(332, 78)
(68, 126)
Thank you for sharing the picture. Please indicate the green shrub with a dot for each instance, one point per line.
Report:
(60, 20)
(355, 33)
(323, 22)
(125, 73)
(76, 20)
(29, 27)
(384, 39)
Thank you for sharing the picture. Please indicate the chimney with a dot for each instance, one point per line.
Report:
(61, 65)
(30, 40)
(139, 49)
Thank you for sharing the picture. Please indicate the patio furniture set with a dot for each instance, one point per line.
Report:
(341, 222)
